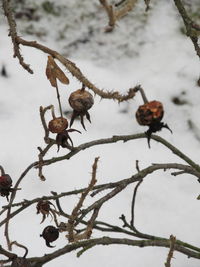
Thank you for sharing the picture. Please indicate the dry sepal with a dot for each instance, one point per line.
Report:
(44, 207)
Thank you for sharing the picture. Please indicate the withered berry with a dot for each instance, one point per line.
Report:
(58, 125)
(50, 234)
(151, 114)
(81, 101)
(5, 185)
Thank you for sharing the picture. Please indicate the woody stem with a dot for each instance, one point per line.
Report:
(143, 95)
(58, 97)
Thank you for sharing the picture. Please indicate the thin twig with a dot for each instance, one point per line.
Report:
(171, 251)
(41, 159)
(142, 174)
(117, 11)
(74, 215)
(21, 246)
(2, 170)
(125, 138)
(59, 102)
(13, 194)
(133, 203)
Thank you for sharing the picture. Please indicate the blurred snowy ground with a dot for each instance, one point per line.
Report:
(157, 56)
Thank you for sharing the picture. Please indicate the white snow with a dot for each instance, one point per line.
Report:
(165, 65)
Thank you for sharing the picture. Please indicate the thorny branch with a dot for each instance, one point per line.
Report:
(13, 33)
(71, 67)
(77, 216)
(191, 27)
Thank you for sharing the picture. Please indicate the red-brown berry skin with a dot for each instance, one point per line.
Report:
(5, 185)
(149, 113)
(58, 125)
(81, 101)
(5, 181)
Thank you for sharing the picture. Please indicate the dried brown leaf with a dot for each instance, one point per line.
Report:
(54, 72)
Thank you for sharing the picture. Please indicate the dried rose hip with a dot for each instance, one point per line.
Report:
(150, 114)
(58, 125)
(5, 185)
(50, 234)
(81, 101)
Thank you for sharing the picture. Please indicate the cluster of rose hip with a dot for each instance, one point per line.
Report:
(149, 114)
(80, 101)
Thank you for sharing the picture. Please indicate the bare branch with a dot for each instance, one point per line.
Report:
(13, 33)
(117, 11)
(125, 138)
(133, 203)
(21, 246)
(8, 254)
(171, 251)
(179, 246)
(75, 212)
(76, 72)
(190, 26)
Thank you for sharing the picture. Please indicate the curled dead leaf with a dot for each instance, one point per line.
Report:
(53, 72)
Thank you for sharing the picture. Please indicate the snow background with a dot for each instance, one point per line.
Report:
(152, 52)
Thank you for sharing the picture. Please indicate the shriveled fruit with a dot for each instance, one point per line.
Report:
(50, 234)
(81, 101)
(58, 125)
